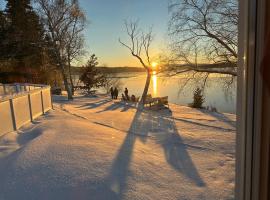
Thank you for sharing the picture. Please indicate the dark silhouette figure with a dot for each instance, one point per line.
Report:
(112, 92)
(115, 92)
(133, 98)
(126, 94)
(123, 97)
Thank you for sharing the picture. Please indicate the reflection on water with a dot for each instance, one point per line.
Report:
(216, 92)
(154, 84)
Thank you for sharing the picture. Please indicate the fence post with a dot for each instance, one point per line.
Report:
(42, 102)
(30, 107)
(12, 114)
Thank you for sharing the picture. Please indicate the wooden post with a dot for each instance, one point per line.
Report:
(12, 114)
(42, 102)
(30, 107)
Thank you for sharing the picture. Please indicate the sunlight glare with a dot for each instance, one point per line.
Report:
(154, 65)
(154, 81)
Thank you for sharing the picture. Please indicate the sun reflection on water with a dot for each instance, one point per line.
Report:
(154, 82)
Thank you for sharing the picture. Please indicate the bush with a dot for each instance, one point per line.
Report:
(198, 98)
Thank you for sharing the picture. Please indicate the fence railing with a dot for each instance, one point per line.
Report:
(21, 104)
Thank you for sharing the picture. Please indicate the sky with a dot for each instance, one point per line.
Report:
(106, 25)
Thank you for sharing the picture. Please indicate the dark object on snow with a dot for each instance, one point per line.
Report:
(112, 92)
(198, 98)
(156, 101)
(115, 93)
(133, 98)
(123, 97)
(126, 94)
(56, 90)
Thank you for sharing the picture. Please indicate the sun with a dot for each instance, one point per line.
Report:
(154, 65)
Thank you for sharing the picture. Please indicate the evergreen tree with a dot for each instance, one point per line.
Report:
(198, 98)
(23, 39)
(91, 76)
(3, 33)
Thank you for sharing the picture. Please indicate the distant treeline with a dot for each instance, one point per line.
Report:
(77, 70)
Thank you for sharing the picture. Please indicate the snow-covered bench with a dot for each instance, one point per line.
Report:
(159, 101)
(149, 100)
(163, 101)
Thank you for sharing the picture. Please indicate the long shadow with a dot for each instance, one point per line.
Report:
(177, 155)
(115, 106)
(164, 130)
(94, 105)
(143, 126)
(204, 125)
(220, 116)
(119, 172)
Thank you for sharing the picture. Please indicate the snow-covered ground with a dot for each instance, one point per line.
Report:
(96, 148)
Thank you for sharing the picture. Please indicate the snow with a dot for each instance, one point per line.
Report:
(96, 148)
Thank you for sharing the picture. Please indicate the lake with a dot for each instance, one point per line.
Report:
(217, 92)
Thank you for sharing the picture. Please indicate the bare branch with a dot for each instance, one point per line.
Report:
(138, 41)
(204, 31)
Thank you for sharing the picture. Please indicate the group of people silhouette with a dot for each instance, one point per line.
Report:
(114, 93)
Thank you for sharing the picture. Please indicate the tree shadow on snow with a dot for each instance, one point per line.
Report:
(220, 117)
(163, 130)
(115, 106)
(119, 172)
(93, 105)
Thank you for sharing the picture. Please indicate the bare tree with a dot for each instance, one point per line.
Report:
(60, 18)
(204, 36)
(139, 46)
(75, 39)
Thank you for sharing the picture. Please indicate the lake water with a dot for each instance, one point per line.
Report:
(217, 93)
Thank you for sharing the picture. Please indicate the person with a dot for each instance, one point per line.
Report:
(126, 94)
(112, 92)
(123, 97)
(115, 93)
(133, 98)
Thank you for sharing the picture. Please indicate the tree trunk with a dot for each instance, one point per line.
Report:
(66, 84)
(146, 87)
(70, 77)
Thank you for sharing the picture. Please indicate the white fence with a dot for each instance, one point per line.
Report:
(22, 103)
